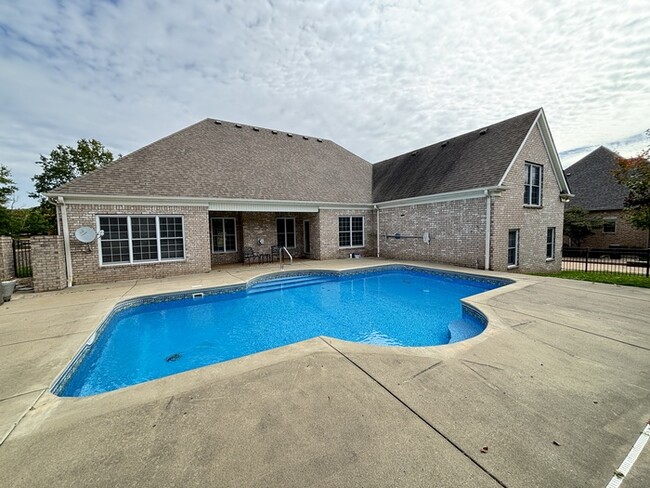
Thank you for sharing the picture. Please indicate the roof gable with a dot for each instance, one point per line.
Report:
(218, 159)
(593, 183)
(477, 159)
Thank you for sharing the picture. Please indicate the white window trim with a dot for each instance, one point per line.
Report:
(552, 257)
(295, 236)
(363, 231)
(128, 227)
(224, 233)
(541, 185)
(516, 263)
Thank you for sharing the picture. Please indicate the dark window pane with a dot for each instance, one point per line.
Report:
(344, 239)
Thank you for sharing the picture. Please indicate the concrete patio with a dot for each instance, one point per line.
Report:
(557, 388)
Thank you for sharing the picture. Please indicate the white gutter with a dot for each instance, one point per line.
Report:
(66, 241)
(488, 227)
(441, 197)
(377, 229)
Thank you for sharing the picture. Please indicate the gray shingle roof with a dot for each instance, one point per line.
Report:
(471, 160)
(228, 160)
(593, 184)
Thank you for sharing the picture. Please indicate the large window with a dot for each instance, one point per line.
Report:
(224, 234)
(351, 232)
(550, 243)
(513, 247)
(286, 231)
(533, 185)
(138, 239)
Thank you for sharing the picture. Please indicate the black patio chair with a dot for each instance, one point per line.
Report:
(275, 253)
(250, 255)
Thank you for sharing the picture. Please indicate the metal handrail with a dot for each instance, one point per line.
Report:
(284, 248)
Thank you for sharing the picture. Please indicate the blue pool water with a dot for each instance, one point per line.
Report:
(397, 307)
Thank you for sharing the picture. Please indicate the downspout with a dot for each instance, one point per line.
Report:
(377, 229)
(488, 227)
(66, 240)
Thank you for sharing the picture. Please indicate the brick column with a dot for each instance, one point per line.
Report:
(7, 270)
(48, 263)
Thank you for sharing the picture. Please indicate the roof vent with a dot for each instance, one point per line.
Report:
(274, 132)
(289, 135)
(319, 140)
(238, 126)
(414, 153)
(256, 129)
(305, 138)
(483, 131)
(218, 122)
(444, 144)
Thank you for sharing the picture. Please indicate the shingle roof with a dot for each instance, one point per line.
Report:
(471, 160)
(215, 159)
(593, 184)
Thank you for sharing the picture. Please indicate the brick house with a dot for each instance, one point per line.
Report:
(596, 190)
(492, 198)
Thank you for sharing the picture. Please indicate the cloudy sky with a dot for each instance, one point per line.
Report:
(379, 78)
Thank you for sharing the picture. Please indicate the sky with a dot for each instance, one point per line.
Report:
(378, 77)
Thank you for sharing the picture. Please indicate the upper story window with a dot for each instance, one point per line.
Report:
(533, 185)
(224, 234)
(609, 226)
(286, 231)
(351, 232)
(139, 239)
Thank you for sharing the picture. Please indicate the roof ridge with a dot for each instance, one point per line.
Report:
(259, 127)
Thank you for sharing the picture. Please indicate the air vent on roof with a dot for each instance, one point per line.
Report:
(218, 122)
(289, 135)
(414, 153)
(444, 144)
(256, 129)
(319, 140)
(483, 131)
(305, 138)
(238, 126)
(274, 131)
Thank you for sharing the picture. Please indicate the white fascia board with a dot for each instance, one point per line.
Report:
(216, 204)
(442, 197)
(547, 139)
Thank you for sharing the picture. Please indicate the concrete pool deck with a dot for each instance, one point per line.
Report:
(557, 388)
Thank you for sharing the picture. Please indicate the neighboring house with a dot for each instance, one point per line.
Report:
(596, 190)
(492, 198)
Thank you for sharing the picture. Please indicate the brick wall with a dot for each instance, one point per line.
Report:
(7, 270)
(624, 236)
(85, 258)
(325, 234)
(48, 263)
(508, 212)
(457, 232)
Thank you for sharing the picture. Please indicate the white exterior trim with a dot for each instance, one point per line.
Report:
(66, 240)
(442, 197)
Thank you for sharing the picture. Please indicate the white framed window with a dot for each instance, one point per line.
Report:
(224, 234)
(609, 226)
(351, 231)
(533, 185)
(286, 231)
(550, 243)
(513, 247)
(137, 239)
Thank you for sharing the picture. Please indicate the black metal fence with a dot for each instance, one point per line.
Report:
(616, 260)
(22, 258)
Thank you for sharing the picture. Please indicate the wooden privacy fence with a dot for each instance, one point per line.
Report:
(617, 260)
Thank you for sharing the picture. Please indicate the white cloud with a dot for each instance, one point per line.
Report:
(379, 78)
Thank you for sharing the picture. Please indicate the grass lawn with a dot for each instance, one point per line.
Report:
(614, 279)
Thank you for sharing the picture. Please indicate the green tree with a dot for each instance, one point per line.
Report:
(64, 164)
(580, 224)
(7, 185)
(634, 173)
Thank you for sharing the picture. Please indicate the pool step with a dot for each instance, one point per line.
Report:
(286, 283)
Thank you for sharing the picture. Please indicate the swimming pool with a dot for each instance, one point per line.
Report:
(152, 337)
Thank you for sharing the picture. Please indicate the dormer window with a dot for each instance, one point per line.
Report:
(533, 185)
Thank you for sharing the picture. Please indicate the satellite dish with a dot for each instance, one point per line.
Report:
(85, 234)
